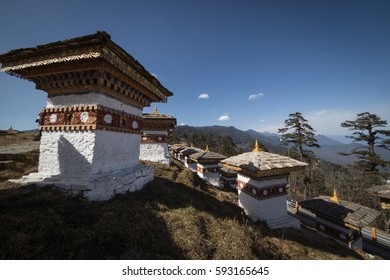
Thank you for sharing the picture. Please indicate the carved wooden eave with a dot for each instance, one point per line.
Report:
(158, 122)
(84, 64)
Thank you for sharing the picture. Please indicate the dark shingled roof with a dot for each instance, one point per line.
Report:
(190, 151)
(207, 156)
(177, 147)
(345, 212)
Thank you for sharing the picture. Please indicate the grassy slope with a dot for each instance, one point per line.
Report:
(177, 216)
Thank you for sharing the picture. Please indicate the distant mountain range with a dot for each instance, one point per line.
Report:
(329, 147)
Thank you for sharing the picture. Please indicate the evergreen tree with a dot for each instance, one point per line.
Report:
(368, 128)
(227, 146)
(298, 132)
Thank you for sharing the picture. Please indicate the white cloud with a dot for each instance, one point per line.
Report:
(272, 128)
(255, 96)
(181, 124)
(324, 121)
(203, 96)
(224, 118)
(327, 121)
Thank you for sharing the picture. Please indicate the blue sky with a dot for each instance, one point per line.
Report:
(239, 63)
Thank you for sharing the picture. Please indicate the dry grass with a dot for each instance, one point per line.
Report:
(13, 166)
(17, 138)
(177, 216)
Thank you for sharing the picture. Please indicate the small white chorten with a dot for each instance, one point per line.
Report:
(208, 165)
(262, 186)
(154, 141)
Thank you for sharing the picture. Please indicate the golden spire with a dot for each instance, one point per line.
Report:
(192, 145)
(257, 148)
(207, 149)
(155, 112)
(335, 197)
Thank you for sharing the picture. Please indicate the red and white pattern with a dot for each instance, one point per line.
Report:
(262, 193)
(88, 117)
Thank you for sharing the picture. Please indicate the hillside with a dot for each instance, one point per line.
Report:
(238, 136)
(329, 150)
(243, 139)
(177, 216)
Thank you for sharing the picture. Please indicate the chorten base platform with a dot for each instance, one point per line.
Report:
(98, 187)
(284, 222)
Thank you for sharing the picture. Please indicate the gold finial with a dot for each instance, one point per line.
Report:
(155, 112)
(207, 149)
(257, 148)
(335, 197)
(192, 145)
(373, 234)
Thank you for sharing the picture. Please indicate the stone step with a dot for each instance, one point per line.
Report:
(287, 221)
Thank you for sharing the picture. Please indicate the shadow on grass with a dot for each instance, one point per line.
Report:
(43, 223)
(177, 216)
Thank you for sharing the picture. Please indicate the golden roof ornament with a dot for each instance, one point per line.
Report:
(335, 197)
(207, 149)
(155, 112)
(257, 148)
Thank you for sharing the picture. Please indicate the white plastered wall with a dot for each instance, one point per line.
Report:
(91, 98)
(87, 153)
(66, 153)
(265, 209)
(156, 152)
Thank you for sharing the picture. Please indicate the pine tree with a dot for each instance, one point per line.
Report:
(298, 132)
(367, 129)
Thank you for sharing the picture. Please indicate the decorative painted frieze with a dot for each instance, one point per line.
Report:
(262, 193)
(154, 139)
(206, 169)
(88, 117)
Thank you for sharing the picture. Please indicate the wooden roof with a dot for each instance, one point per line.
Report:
(190, 151)
(158, 122)
(177, 147)
(345, 212)
(207, 156)
(262, 164)
(91, 52)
